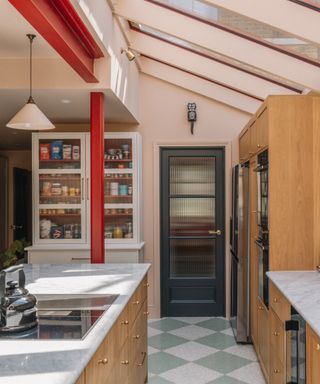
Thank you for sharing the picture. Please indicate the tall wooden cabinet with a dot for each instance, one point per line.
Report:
(288, 126)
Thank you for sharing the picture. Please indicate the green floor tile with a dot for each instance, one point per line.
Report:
(161, 362)
(223, 362)
(165, 341)
(216, 324)
(218, 341)
(226, 380)
(168, 324)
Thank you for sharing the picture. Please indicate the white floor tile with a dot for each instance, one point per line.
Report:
(191, 374)
(246, 351)
(191, 351)
(249, 374)
(192, 332)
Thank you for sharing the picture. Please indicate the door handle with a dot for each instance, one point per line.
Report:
(217, 232)
(15, 227)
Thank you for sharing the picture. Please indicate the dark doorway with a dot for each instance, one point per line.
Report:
(22, 205)
(192, 232)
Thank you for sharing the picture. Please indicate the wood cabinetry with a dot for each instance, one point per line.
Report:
(313, 357)
(244, 145)
(279, 313)
(122, 356)
(263, 337)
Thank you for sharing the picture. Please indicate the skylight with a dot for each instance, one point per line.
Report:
(247, 27)
(216, 56)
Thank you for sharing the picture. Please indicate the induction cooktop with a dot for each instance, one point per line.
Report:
(65, 317)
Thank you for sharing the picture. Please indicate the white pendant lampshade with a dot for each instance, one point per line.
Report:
(30, 117)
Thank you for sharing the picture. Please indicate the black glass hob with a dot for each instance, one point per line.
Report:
(65, 317)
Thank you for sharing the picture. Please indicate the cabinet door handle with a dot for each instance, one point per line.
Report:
(276, 333)
(80, 258)
(260, 308)
(147, 285)
(103, 361)
(136, 302)
(87, 188)
(143, 359)
(137, 337)
(217, 232)
(275, 300)
(318, 347)
(82, 188)
(276, 370)
(146, 313)
(125, 362)
(124, 322)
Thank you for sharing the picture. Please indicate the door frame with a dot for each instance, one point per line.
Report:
(154, 294)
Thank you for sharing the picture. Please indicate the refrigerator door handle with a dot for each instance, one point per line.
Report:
(292, 326)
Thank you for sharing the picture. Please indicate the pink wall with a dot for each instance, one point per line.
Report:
(163, 121)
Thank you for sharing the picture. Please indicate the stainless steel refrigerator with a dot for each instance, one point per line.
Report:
(240, 257)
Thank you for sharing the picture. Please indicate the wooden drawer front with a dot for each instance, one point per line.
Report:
(135, 303)
(277, 337)
(277, 372)
(279, 303)
(141, 362)
(122, 366)
(122, 328)
(313, 357)
(138, 332)
(103, 361)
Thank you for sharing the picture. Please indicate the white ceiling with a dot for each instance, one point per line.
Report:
(14, 44)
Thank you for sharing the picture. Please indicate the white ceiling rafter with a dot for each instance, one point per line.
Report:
(303, 22)
(201, 86)
(220, 41)
(202, 66)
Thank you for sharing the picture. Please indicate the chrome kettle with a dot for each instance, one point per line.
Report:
(18, 311)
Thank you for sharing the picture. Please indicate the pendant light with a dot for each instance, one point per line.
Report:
(30, 117)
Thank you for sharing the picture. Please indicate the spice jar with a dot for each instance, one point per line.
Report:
(56, 189)
(117, 233)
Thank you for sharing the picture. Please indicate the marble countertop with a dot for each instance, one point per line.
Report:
(62, 361)
(302, 289)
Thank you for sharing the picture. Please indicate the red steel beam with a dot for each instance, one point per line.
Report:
(58, 23)
(97, 176)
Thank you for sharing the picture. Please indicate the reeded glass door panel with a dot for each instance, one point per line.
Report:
(192, 176)
(59, 154)
(118, 154)
(60, 223)
(60, 188)
(192, 258)
(192, 216)
(118, 223)
(118, 188)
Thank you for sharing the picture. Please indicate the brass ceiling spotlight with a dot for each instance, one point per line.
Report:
(130, 55)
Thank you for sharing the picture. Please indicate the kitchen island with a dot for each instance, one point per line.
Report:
(66, 361)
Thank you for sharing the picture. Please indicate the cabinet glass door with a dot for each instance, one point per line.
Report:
(60, 190)
(119, 189)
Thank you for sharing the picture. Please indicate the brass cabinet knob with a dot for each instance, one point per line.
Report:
(276, 370)
(136, 337)
(258, 146)
(318, 347)
(146, 313)
(276, 333)
(275, 300)
(124, 362)
(260, 308)
(136, 302)
(124, 322)
(103, 361)
(146, 285)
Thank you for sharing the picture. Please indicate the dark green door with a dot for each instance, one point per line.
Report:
(192, 232)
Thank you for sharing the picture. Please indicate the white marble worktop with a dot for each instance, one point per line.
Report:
(302, 289)
(62, 361)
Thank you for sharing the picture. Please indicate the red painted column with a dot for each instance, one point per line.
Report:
(97, 176)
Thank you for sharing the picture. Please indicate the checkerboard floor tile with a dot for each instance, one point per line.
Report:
(199, 350)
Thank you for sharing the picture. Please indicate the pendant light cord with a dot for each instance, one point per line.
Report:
(31, 37)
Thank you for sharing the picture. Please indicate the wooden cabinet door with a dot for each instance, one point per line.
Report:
(263, 337)
(253, 133)
(262, 130)
(244, 143)
(313, 357)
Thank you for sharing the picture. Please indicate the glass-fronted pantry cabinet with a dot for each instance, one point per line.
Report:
(61, 198)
